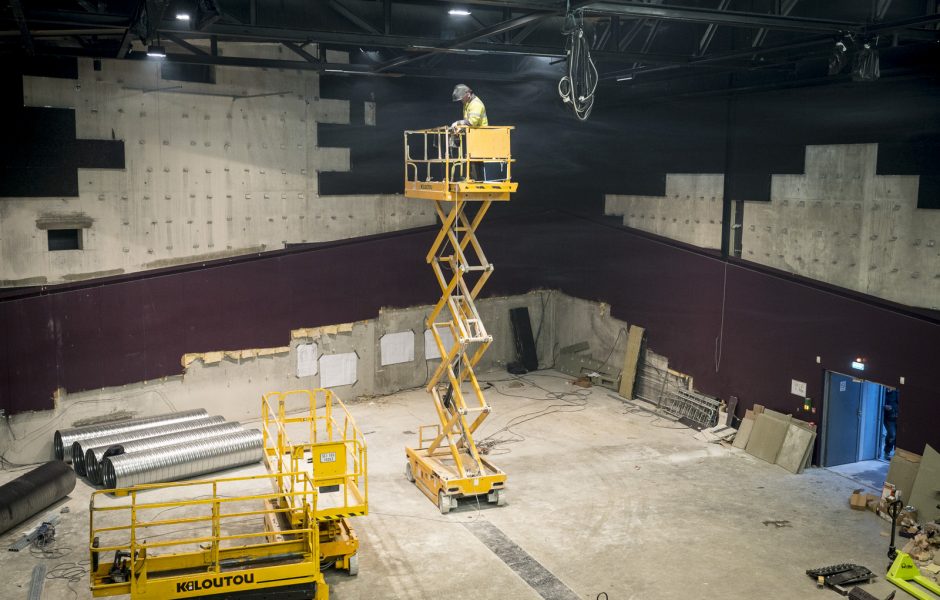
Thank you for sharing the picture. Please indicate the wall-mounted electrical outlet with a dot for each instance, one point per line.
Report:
(818, 360)
(902, 380)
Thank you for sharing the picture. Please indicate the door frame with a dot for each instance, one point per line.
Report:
(824, 419)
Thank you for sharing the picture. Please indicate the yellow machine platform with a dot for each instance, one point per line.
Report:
(460, 163)
(463, 171)
(262, 536)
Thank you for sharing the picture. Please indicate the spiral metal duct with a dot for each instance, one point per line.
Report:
(80, 448)
(94, 456)
(30, 493)
(172, 463)
(64, 438)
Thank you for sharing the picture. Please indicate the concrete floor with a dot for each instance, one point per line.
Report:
(606, 498)
(869, 472)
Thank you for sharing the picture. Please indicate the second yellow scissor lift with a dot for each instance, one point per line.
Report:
(273, 542)
(462, 170)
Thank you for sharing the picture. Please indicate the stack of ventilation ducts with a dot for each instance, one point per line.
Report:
(167, 447)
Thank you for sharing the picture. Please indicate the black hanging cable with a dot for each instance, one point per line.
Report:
(578, 86)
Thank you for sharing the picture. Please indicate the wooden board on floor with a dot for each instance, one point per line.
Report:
(925, 494)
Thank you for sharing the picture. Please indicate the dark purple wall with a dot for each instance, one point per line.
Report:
(774, 327)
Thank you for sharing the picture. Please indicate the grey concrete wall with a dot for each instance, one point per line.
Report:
(212, 170)
(842, 223)
(230, 382)
(839, 222)
(689, 212)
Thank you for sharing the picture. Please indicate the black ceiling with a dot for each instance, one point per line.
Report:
(678, 47)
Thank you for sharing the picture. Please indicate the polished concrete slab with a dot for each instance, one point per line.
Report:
(603, 497)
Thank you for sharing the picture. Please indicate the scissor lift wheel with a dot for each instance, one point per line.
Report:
(409, 475)
(497, 497)
(445, 502)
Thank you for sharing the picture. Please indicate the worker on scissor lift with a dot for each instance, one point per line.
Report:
(474, 115)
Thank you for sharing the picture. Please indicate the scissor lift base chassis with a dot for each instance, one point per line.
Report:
(436, 475)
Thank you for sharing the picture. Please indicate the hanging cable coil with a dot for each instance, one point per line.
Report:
(578, 86)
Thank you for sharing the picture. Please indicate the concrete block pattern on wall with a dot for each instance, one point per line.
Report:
(843, 224)
(690, 211)
(212, 170)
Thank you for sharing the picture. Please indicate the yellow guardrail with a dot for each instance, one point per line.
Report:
(138, 556)
(333, 455)
(449, 163)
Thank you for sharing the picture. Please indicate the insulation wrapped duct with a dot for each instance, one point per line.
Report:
(80, 447)
(30, 493)
(64, 438)
(173, 463)
(94, 456)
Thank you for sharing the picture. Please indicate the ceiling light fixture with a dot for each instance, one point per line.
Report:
(459, 12)
(625, 78)
(156, 51)
(182, 16)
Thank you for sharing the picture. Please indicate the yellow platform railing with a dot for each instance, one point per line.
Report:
(136, 549)
(452, 163)
(327, 446)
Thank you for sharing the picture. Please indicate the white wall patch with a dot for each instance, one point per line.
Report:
(397, 347)
(338, 369)
(306, 360)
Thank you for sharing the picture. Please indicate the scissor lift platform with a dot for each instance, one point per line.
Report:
(449, 167)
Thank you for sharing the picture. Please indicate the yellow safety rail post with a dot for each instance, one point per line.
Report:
(312, 431)
(218, 543)
(449, 167)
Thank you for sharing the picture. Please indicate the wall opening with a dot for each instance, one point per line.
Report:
(859, 426)
(64, 239)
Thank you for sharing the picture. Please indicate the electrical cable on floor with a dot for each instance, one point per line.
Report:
(578, 86)
(577, 402)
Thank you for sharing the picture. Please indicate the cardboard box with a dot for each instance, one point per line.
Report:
(858, 500)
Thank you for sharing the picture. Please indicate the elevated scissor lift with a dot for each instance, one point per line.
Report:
(211, 539)
(462, 171)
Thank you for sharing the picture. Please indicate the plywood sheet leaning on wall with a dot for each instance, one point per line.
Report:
(631, 358)
(925, 495)
(903, 471)
(797, 443)
(770, 429)
(744, 430)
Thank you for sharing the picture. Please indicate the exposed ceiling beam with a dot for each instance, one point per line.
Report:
(352, 17)
(64, 33)
(17, 9)
(184, 44)
(301, 52)
(710, 31)
(709, 15)
(479, 34)
(367, 40)
(155, 10)
(784, 7)
(129, 32)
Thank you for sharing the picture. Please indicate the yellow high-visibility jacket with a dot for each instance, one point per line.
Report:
(475, 113)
